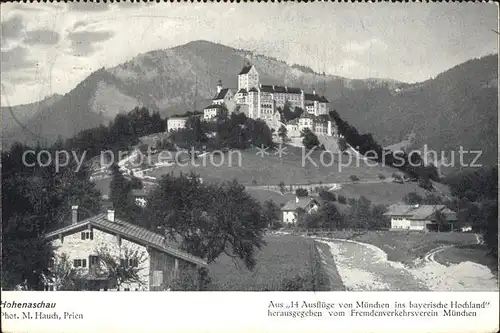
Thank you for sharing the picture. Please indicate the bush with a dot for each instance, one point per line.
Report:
(342, 199)
(397, 178)
(326, 195)
(301, 192)
(354, 178)
(381, 176)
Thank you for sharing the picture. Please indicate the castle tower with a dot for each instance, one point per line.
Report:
(219, 86)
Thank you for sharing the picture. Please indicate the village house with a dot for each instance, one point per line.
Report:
(161, 262)
(291, 210)
(212, 111)
(175, 123)
(419, 217)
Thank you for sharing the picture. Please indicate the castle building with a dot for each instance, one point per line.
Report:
(260, 101)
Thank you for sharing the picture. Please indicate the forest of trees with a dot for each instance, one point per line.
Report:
(233, 132)
(475, 198)
(412, 165)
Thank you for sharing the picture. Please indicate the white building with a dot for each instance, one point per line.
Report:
(418, 217)
(158, 260)
(175, 123)
(291, 210)
(223, 95)
(211, 111)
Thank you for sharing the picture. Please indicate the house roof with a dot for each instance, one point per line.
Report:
(293, 122)
(245, 70)
(279, 89)
(292, 90)
(306, 115)
(242, 91)
(221, 94)
(213, 106)
(253, 89)
(314, 97)
(132, 232)
(292, 205)
(266, 88)
(420, 212)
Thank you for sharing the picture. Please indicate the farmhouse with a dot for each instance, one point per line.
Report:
(175, 123)
(418, 217)
(159, 261)
(292, 209)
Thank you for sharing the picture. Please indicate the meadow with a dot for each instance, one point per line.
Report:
(476, 253)
(283, 257)
(249, 168)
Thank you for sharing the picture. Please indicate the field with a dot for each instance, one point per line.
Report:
(406, 246)
(250, 169)
(475, 253)
(380, 193)
(283, 257)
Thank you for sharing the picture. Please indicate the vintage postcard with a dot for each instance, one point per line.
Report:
(153, 152)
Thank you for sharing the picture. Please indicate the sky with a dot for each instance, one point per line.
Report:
(49, 48)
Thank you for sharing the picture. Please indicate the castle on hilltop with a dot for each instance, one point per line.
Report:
(259, 101)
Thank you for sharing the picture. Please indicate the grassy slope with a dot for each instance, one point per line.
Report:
(282, 257)
(475, 253)
(270, 170)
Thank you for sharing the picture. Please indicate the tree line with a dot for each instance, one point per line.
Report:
(413, 165)
(235, 131)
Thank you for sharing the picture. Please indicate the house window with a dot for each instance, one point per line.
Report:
(87, 235)
(126, 289)
(129, 262)
(93, 261)
(80, 263)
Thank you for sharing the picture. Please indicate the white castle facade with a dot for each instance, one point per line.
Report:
(260, 101)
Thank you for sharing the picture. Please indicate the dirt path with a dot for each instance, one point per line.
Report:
(364, 267)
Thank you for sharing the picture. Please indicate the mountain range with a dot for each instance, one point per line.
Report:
(456, 108)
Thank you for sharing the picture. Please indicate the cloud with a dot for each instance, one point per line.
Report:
(83, 42)
(42, 36)
(16, 59)
(360, 47)
(88, 6)
(12, 28)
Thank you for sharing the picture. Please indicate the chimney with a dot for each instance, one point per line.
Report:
(74, 214)
(219, 86)
(111, 215)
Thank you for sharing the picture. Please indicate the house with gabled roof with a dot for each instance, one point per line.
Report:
(223, 95)
(418, 217)
(291, 210)
(81, 242)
